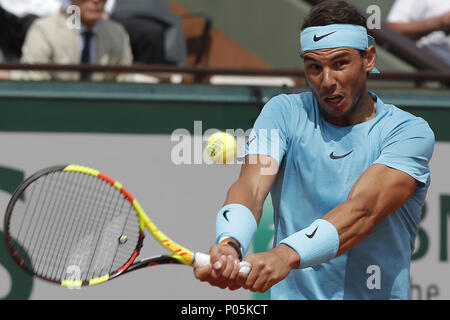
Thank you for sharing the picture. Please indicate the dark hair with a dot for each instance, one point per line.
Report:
(333, 12)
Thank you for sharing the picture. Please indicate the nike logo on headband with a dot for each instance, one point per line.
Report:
(316, 38)
(225, 215)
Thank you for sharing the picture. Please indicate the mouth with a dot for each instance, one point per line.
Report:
(334, 100)
(95, 10)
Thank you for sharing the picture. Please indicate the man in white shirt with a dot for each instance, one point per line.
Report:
(426, 21)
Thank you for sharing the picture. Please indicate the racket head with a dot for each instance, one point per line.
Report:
(78, 226)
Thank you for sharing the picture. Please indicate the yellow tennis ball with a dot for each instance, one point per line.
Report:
(221, 147)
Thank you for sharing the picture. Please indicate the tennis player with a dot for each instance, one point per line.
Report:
(351, 175)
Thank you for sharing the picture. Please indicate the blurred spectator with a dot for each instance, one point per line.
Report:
(108, 6)
(426, 21)
(96, 41)
(16, 16)
(156, 34)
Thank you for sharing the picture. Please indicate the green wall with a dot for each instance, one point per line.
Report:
(160, 109)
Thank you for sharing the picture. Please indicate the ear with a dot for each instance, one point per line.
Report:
(370, 58)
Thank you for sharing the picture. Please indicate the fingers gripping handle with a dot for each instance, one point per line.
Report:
(202, 259)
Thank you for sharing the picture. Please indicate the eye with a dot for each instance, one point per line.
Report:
(313, 67)
(340, 64)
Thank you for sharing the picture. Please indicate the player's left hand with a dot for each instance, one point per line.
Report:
(269, 268)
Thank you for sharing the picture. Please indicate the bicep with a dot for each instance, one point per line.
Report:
(383, 188)
(378, 192)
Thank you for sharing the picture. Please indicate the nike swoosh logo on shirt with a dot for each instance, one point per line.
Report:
(333, 156)
(251, 140)
(316, 38)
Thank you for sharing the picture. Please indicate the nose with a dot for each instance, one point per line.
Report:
(328, 83)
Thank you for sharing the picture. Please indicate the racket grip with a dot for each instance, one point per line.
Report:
(203, 259)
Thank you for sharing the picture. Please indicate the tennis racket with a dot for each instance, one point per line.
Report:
(79, 227)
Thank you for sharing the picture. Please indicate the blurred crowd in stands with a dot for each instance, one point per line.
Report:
(101, 32)
(126, 32)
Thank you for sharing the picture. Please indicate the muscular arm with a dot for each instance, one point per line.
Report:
(378, 192)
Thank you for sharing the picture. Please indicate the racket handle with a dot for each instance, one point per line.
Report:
(203, 259)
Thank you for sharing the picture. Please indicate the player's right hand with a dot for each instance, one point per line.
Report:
(223, 270)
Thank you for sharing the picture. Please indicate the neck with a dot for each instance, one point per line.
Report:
(89, 24)
(363, 109)
(367, 108)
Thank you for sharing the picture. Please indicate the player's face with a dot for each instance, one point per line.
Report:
(337, 78)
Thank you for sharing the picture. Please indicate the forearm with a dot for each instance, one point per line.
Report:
(252, 187)
(248, 194)
(353, 220)
(241, 200)
(418, 29)
(244, 193)
(335, 233)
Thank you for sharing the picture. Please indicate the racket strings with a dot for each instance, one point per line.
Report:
(78, 255)
(56, 223)
(104, 247)
(74, 214)
(75, 223)
(120, 230)
(49, 242)
(29, 234)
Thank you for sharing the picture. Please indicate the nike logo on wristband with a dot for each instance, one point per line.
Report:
(312, 234)
(225, 215)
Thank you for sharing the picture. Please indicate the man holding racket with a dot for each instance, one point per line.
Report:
(351, 175)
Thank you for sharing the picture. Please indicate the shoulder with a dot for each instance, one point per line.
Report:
(400, 124)
(52, 21)
(107, 26)
(399, 118)
(50, 28)
(297, 106)
(287, 111)
(291, 102)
